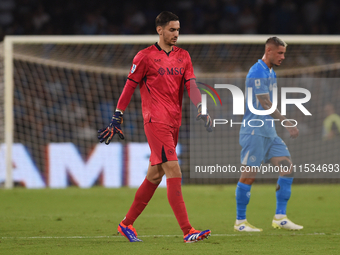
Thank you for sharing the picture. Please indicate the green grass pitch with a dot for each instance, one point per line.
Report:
(84, 221)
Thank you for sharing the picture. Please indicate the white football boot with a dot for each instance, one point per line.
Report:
(285, 223)
(246, 227)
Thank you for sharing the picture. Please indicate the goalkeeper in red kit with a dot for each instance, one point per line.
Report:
(161, 70)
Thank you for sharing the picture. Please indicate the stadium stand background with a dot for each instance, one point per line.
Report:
(68, 17)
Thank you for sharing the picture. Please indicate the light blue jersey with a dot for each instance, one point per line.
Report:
(262, 80)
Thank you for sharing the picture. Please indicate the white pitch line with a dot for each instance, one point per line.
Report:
(102, 237)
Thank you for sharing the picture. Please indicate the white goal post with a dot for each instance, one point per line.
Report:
(10, 55)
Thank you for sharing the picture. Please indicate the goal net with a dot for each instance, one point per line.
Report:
(56, 92)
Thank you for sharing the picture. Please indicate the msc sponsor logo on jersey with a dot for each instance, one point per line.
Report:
(133, 68)
(171, 71)
(161, 71)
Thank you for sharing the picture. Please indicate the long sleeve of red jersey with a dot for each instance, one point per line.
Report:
(190, 82)
(193, 91)
(126, 95)
(137, 72)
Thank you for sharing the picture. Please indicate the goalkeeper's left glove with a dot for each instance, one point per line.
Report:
(113, 128)
(206, 118)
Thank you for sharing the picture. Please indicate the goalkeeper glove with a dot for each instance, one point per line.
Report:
(113, 128)
(206, 118)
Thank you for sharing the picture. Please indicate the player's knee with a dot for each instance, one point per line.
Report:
(287, 167)
(173, 173)
(155, 179)
(288, 175)
(172, 169)
(286, 163)
(248, 181)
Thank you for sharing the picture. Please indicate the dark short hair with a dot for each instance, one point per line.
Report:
(276, 41)
(165, 17)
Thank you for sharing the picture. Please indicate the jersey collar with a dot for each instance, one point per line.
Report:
(264, 65)
(160, 49)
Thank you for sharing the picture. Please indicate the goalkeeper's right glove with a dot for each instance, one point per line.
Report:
(113, 128)
(206, 118)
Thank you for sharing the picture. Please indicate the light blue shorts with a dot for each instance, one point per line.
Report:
(256, 149)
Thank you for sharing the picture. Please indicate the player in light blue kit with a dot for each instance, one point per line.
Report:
(262, 144)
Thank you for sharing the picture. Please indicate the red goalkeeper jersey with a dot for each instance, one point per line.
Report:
(161, 77)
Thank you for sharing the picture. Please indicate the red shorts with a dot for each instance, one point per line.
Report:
(162, 140)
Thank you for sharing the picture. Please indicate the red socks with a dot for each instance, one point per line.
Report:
(142, 198)
(145, 193)
(177, 204)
